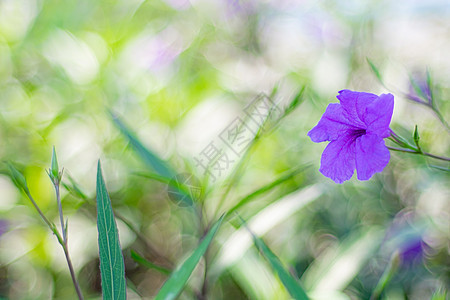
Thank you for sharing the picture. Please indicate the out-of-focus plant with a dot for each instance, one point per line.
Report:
(55, 176)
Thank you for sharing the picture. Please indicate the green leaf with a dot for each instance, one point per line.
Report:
(17, 177)
(148, 264)
(387, 275)
(416, 138)
(111, 259)
(295, 102)
(290, 283)
(375, 70)
(440, 295)
(74, 188)
(152, 160)
(178, 279)
(149, 158)
(267, 187)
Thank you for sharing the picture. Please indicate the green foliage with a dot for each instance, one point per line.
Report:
(148, 264)
(178, 279)
(375, 70)
(110, 253)
(165, 173)
(171, 75)
(290, 283)
(18, 179)
(147, 156)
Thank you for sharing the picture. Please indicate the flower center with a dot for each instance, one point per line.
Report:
(358, 132)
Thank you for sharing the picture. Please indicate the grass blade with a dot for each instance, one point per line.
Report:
(267, 187)
(375, 71)
(290, 283)
(148, 264)
(111, 259)
(166, 174)
(149, 158)
(181, 191)
(178, 279)
(295, 102)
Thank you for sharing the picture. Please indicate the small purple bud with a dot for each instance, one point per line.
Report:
(420, 89)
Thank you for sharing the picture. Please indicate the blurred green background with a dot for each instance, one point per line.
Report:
(178, 73)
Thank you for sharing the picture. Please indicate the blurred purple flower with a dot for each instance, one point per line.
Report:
(356, 128)
(4, 226)
(406, 235)
(412, 250)
(419, 89)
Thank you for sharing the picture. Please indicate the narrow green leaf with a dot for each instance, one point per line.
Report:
(439, 295)
(179, 189)
(274, 91)
(267, 187)
(17, 177)
(387, 275)
(111, 259)
(295, 102)
(178, 279)
(149, 158)
(375, 70)
(290, 283)
(74, 188)
(416, 138)
(148, 264)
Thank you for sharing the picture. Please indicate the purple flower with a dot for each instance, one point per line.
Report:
(356, 128)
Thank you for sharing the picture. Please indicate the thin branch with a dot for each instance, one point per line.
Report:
(61, 216)
(61, 241)
(419, 152)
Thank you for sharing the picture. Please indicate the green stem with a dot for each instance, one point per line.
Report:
(72, 273)
(61, 241)
(49, 224)
(64, 245)
(419, 152)
(61, 217)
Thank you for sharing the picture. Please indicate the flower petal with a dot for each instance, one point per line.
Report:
(372, 156)
(378, 115)
(354, 105)
(338, 159)
(332, 124)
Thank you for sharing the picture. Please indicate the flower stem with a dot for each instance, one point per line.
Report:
(60, 240)
(419, 152)
(72, 273)
(61, 217)
(64, 245)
